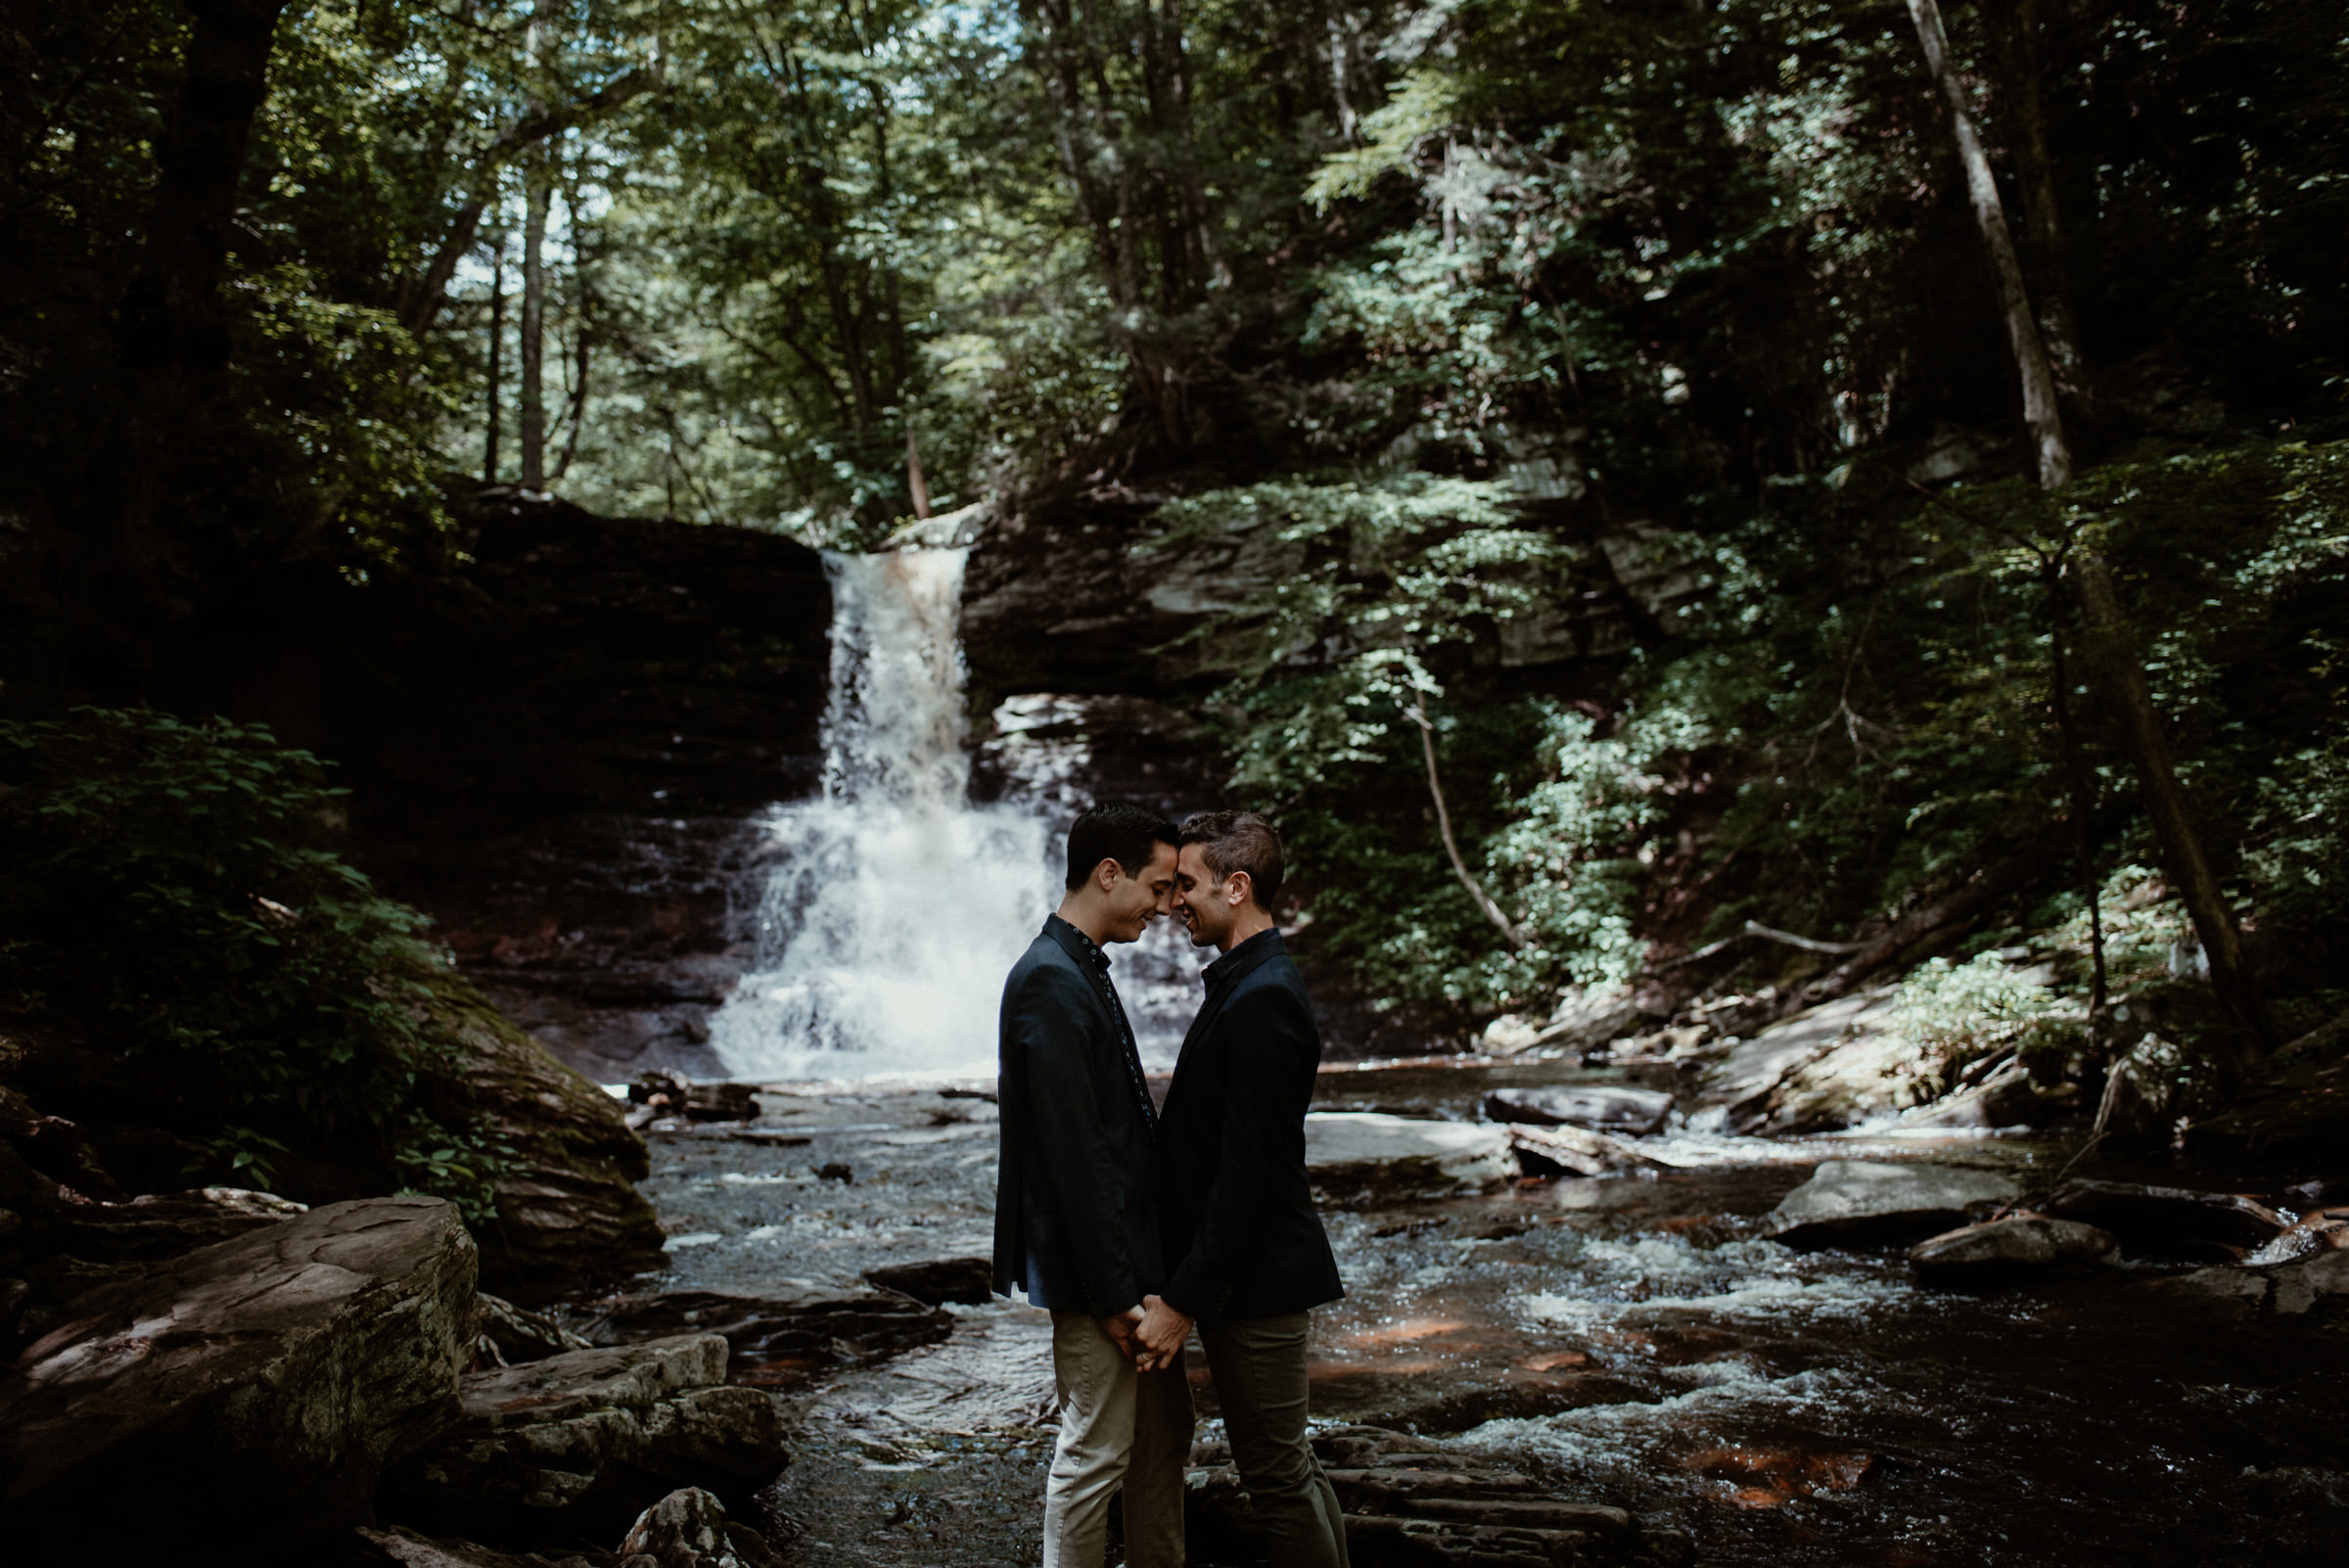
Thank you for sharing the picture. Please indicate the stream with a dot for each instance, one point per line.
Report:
(1631, 1340)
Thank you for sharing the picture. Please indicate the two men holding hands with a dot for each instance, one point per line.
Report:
(1133, 1226)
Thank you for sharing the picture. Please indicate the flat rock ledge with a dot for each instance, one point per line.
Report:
(1858, 1203)
(237, 1402)
(1357, 1157)
(578, 1443)
(1411, 1504)
(775, 1340)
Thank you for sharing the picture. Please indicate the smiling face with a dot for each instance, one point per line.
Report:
(1208, 906)
(1132, 902)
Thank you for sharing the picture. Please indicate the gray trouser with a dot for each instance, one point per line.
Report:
(1260, 1370)
(1119, 1428)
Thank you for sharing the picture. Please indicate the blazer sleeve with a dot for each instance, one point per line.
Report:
(1269, 1074)
(1070, 1163)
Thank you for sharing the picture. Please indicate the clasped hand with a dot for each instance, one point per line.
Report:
(1151, 1334)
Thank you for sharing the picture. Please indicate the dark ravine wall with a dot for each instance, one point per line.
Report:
(557, 758)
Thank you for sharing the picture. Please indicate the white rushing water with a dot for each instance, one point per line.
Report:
(893, 906)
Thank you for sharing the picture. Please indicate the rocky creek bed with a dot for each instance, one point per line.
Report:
(1634, 1341)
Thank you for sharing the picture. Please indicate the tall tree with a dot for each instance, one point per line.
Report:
(2114, 645)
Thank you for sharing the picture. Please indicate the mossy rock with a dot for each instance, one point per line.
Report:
(567, 1213)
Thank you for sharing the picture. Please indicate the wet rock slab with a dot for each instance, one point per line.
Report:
(965, 1281)
(245, 1395)
(1411, 1504)
(2000, 1250)
(579, 1441)
(1601, 1108)
(781, 1333)
(1857, 1203)
(1362, 1156)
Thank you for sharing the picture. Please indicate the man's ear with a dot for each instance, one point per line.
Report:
(1242, 886)
(1108, 874)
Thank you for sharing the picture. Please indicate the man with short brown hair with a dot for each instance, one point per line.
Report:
(1250, 1259)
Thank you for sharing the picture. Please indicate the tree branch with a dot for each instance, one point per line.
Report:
(1434, 788)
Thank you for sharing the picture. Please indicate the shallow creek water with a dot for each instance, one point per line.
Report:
(1632, 1340)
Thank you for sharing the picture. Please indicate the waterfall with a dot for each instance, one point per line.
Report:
(892, 907)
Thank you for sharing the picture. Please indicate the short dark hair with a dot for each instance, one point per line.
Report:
(1239, 841)
(1115, 830)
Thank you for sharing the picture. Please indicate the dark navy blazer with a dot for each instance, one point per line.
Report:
(1076, 1205)
(1237, 1206)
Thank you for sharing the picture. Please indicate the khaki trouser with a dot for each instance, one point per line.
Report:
(1259, 1365)
(1119, 1428)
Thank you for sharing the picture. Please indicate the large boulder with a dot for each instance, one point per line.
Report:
(1825, 1068)
(689, 1529)
(235, 1405)
(1601, 1108)
(1360, 1156)
(2000, 1249)
(2169, 1221)
(582, 1442)
(1562, 1150)
(569, 1214)
(1853, 1203)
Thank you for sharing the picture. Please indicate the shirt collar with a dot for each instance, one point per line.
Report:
(1242, 955)
(1084, 944)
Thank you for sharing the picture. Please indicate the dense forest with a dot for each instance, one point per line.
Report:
(1923, 423)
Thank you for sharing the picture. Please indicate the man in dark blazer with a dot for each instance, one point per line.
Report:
(1250, 1259)
(1076, 1212)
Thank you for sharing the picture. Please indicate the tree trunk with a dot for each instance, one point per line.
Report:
(2083, 799)
(2039, 411)
(492, 428)
(2114, 646)
(535, 201)
(582, 358)
(2015, 31)
(422, 298)
(915, 480)
(2113, 649)
(173, 343)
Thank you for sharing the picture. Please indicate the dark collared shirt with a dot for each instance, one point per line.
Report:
(1216, 973)
(1097, 963)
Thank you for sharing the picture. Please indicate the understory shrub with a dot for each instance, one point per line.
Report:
(166, 889)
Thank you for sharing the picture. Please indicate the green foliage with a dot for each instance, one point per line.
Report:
(165, 884)
(1959, 1013)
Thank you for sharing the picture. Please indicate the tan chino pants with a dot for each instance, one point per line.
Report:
(1119, 1428)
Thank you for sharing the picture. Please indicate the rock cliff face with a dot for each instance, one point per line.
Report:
(555, 757)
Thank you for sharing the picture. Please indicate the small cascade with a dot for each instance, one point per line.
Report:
(892, 907)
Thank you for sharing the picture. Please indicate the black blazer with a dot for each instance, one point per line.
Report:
(1074, 1190)
(1238, 1207)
